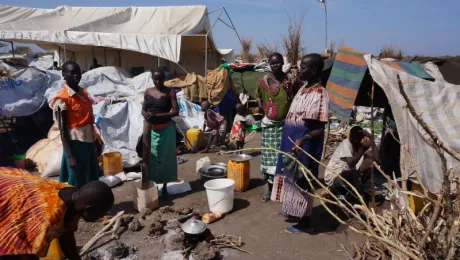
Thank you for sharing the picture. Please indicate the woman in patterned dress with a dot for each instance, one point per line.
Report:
(34, 211)
(275, 93)
(304, 126)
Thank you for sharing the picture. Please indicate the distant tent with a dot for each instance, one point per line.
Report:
(448, 66)
(350, 83)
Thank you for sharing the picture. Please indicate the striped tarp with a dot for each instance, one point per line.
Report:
(437, 104)
(347, 74)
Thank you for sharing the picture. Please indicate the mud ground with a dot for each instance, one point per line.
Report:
(258, 223)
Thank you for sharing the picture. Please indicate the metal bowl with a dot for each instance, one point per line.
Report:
(240, 157)
(213, 171)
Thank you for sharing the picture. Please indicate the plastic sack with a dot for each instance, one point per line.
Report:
(53, 166)
(111, 181)
(203, 162)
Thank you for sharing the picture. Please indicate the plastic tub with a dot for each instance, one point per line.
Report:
(220, 195)
(112, 163)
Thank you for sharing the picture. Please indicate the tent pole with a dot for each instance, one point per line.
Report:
(234, 28)
(65, 53)
(59, 56)
(92, 56)
(12, 48)
(119, 58)
(373, 149)
(206, 58)
(159, 62)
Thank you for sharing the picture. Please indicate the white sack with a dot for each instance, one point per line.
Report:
(190, 115)
(53, 166)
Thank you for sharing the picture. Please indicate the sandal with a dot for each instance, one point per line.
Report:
(266, 198)
(294, 230)
(283, 214)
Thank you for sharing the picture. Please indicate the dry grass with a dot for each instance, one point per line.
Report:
(391, 51)
(292, 42)
(247, 54)
(331, 48)
(265, 50)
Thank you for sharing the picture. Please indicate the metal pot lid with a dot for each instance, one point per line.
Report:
(193, 226)
(240, 157)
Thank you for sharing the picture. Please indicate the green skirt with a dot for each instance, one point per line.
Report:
(87, 164)
(163, 162)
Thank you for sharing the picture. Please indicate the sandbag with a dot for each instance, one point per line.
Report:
(181, 81)
(38, 154)
(53, 166)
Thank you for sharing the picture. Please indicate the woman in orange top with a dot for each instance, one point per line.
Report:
(34, 211)
(75, 118)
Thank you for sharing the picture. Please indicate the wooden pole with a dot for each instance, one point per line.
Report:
(326, 136)
(373, 149)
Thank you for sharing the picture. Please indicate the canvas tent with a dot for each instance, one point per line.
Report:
(349, 83)
(14, 13)
(176, 37)
(436, 103)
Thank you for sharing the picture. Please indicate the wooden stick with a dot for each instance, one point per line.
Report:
(328, 129)
(372, 146)
(103, 232)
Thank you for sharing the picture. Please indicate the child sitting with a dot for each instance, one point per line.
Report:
(217, 124)
(238, 134)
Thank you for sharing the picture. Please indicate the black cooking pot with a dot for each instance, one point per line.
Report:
(213, 171)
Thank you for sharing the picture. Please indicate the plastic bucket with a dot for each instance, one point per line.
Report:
(19, 161)
(220, 195)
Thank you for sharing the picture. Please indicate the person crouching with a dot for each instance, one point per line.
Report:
(217, 123)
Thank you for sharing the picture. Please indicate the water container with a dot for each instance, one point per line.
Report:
(194, 139)
(203, 162)
(240, 173)
(112, 163)
(54, 251)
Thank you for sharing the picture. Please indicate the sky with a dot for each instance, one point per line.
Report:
(418, 27)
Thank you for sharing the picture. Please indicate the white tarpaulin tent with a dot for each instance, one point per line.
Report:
(119, 36)
(14, 13)
(121, 123)
(437, 104)
(23, 94)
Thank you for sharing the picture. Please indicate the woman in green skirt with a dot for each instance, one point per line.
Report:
(160, 106)
(74, 114)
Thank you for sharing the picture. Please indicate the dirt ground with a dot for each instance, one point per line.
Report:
(258, 223)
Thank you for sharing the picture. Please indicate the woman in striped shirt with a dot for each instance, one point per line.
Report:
(304, 126)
